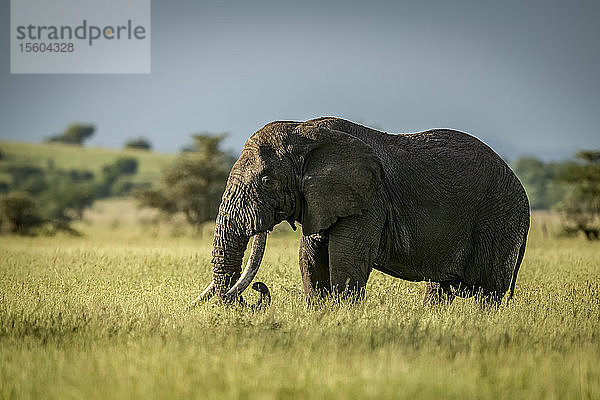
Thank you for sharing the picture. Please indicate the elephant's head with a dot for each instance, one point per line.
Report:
(305, 172)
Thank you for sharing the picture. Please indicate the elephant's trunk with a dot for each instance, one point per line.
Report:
(228, 250)
(229, 244)
(256, 254)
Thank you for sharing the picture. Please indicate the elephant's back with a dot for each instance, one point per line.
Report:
(439, 163)
(453, 164)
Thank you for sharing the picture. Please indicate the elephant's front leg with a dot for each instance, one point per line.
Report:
(314, 265)
(353, 246)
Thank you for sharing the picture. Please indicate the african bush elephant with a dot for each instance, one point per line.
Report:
(438, 206)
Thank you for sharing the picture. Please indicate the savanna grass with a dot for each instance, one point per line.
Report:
(104, 316)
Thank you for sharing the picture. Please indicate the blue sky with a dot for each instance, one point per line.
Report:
(522, 76)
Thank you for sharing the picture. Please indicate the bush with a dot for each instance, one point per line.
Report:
(74, 134)
(66, 200)
(579, 215)
(35, 180)
(49, 196)
(581, 208)
(156, 199)
(55, 197)
(20, 173)
(139, 143)
(19, 212)
(123, 187)
(28, 179)
(111, 184)
(122, 166)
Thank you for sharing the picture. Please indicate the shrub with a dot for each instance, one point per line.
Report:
(579, 215)
(49, 196)
(66, 200)
(19, 212)
(122, 166)
(111, 184)
(138, 143)
(581, 208)
(74, 134)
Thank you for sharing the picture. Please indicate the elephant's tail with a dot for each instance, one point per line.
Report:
(516, 270)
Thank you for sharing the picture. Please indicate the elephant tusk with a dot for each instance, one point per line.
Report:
(252, 266)
(205, 295)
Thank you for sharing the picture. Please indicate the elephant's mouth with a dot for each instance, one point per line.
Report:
(284, 216)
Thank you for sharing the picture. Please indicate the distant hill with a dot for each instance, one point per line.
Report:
(64, 156)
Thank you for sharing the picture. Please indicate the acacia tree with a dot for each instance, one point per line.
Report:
(74, 134)
(19, 212)
(581, 207)
(193, 185)
(140, 143)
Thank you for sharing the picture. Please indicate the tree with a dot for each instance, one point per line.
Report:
(139, 144)
(56, 197)
(121, 166)
(540, 180)
(74, 134)
(581, 208)
(19, 212)
(45, 196)
(65, 200)
(193, 185)
(112, 183)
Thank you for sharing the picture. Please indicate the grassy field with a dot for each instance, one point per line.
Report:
(104, 316)
(64, 156)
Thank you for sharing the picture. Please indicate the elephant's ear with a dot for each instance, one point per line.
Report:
(341, 176)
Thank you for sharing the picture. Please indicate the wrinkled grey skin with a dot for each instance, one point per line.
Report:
(438, 206)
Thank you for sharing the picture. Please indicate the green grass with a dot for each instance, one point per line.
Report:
(104, 316)
(65, 156)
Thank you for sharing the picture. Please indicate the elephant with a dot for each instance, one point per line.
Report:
(437, 206)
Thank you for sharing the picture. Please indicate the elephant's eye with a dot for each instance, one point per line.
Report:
(268, 181)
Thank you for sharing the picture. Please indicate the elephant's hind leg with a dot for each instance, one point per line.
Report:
(438, 293)
(314, 265)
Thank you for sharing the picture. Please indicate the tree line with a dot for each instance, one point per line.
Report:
(570, 187)
(78, 133)
(47, 199)
(51, 198)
